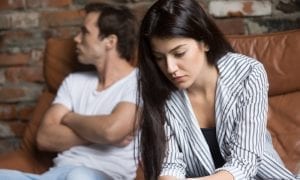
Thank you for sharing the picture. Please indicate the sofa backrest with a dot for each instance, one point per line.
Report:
(279, 52)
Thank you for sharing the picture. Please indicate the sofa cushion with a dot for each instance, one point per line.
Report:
(280, 54)
(59, 61)
(284, 125)
(42, 159)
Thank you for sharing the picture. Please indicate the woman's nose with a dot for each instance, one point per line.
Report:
(171, 65)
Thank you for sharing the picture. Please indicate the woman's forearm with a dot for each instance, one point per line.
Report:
(224, 175)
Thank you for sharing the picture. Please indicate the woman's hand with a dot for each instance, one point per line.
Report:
(224, 175)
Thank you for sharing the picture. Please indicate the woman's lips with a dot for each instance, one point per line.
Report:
(178, 78)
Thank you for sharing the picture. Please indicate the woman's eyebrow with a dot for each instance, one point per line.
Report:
(172, 50)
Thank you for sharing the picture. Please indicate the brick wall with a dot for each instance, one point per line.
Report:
(26, 24)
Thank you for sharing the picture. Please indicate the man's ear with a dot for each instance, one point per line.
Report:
(111, 41)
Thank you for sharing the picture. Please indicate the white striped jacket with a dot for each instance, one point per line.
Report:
(240, 112)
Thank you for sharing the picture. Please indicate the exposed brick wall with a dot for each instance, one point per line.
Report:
(26, 24)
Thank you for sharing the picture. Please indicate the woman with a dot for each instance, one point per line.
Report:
(205, 106)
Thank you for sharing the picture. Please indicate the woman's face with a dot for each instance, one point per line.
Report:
(182, 60)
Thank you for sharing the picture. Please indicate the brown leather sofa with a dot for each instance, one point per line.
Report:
(279, 52)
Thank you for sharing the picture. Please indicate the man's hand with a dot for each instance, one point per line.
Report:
(128, 139)
(54, 136)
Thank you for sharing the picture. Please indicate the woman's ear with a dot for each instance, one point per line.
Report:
(203, 46)
(111, 41)
(206, 47)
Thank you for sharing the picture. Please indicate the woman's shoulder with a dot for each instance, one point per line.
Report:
(236, 60)
(235, 68)
(235, 63)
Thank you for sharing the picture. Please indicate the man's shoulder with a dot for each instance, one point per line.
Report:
(78, 76)
(129, 79)
(133, 74)
(127, 85)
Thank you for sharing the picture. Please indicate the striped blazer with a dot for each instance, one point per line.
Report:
(241, 105)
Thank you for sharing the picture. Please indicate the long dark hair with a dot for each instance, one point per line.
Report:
(167, 19)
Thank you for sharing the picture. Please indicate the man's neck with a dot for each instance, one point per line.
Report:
(112, 71)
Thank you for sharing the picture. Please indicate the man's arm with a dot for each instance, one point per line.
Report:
(115, 128)
(54, 136)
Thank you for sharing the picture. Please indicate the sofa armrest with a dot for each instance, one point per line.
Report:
(28, 158)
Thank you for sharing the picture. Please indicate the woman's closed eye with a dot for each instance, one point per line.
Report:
(179, 54)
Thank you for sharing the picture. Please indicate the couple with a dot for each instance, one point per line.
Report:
(189, 82)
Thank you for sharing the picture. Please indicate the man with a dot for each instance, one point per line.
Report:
(91, 121)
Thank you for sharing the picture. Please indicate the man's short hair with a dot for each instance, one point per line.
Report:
(120, 21)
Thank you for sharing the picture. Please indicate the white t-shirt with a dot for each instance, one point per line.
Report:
(78, 93)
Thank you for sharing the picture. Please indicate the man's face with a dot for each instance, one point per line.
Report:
(90, 47)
